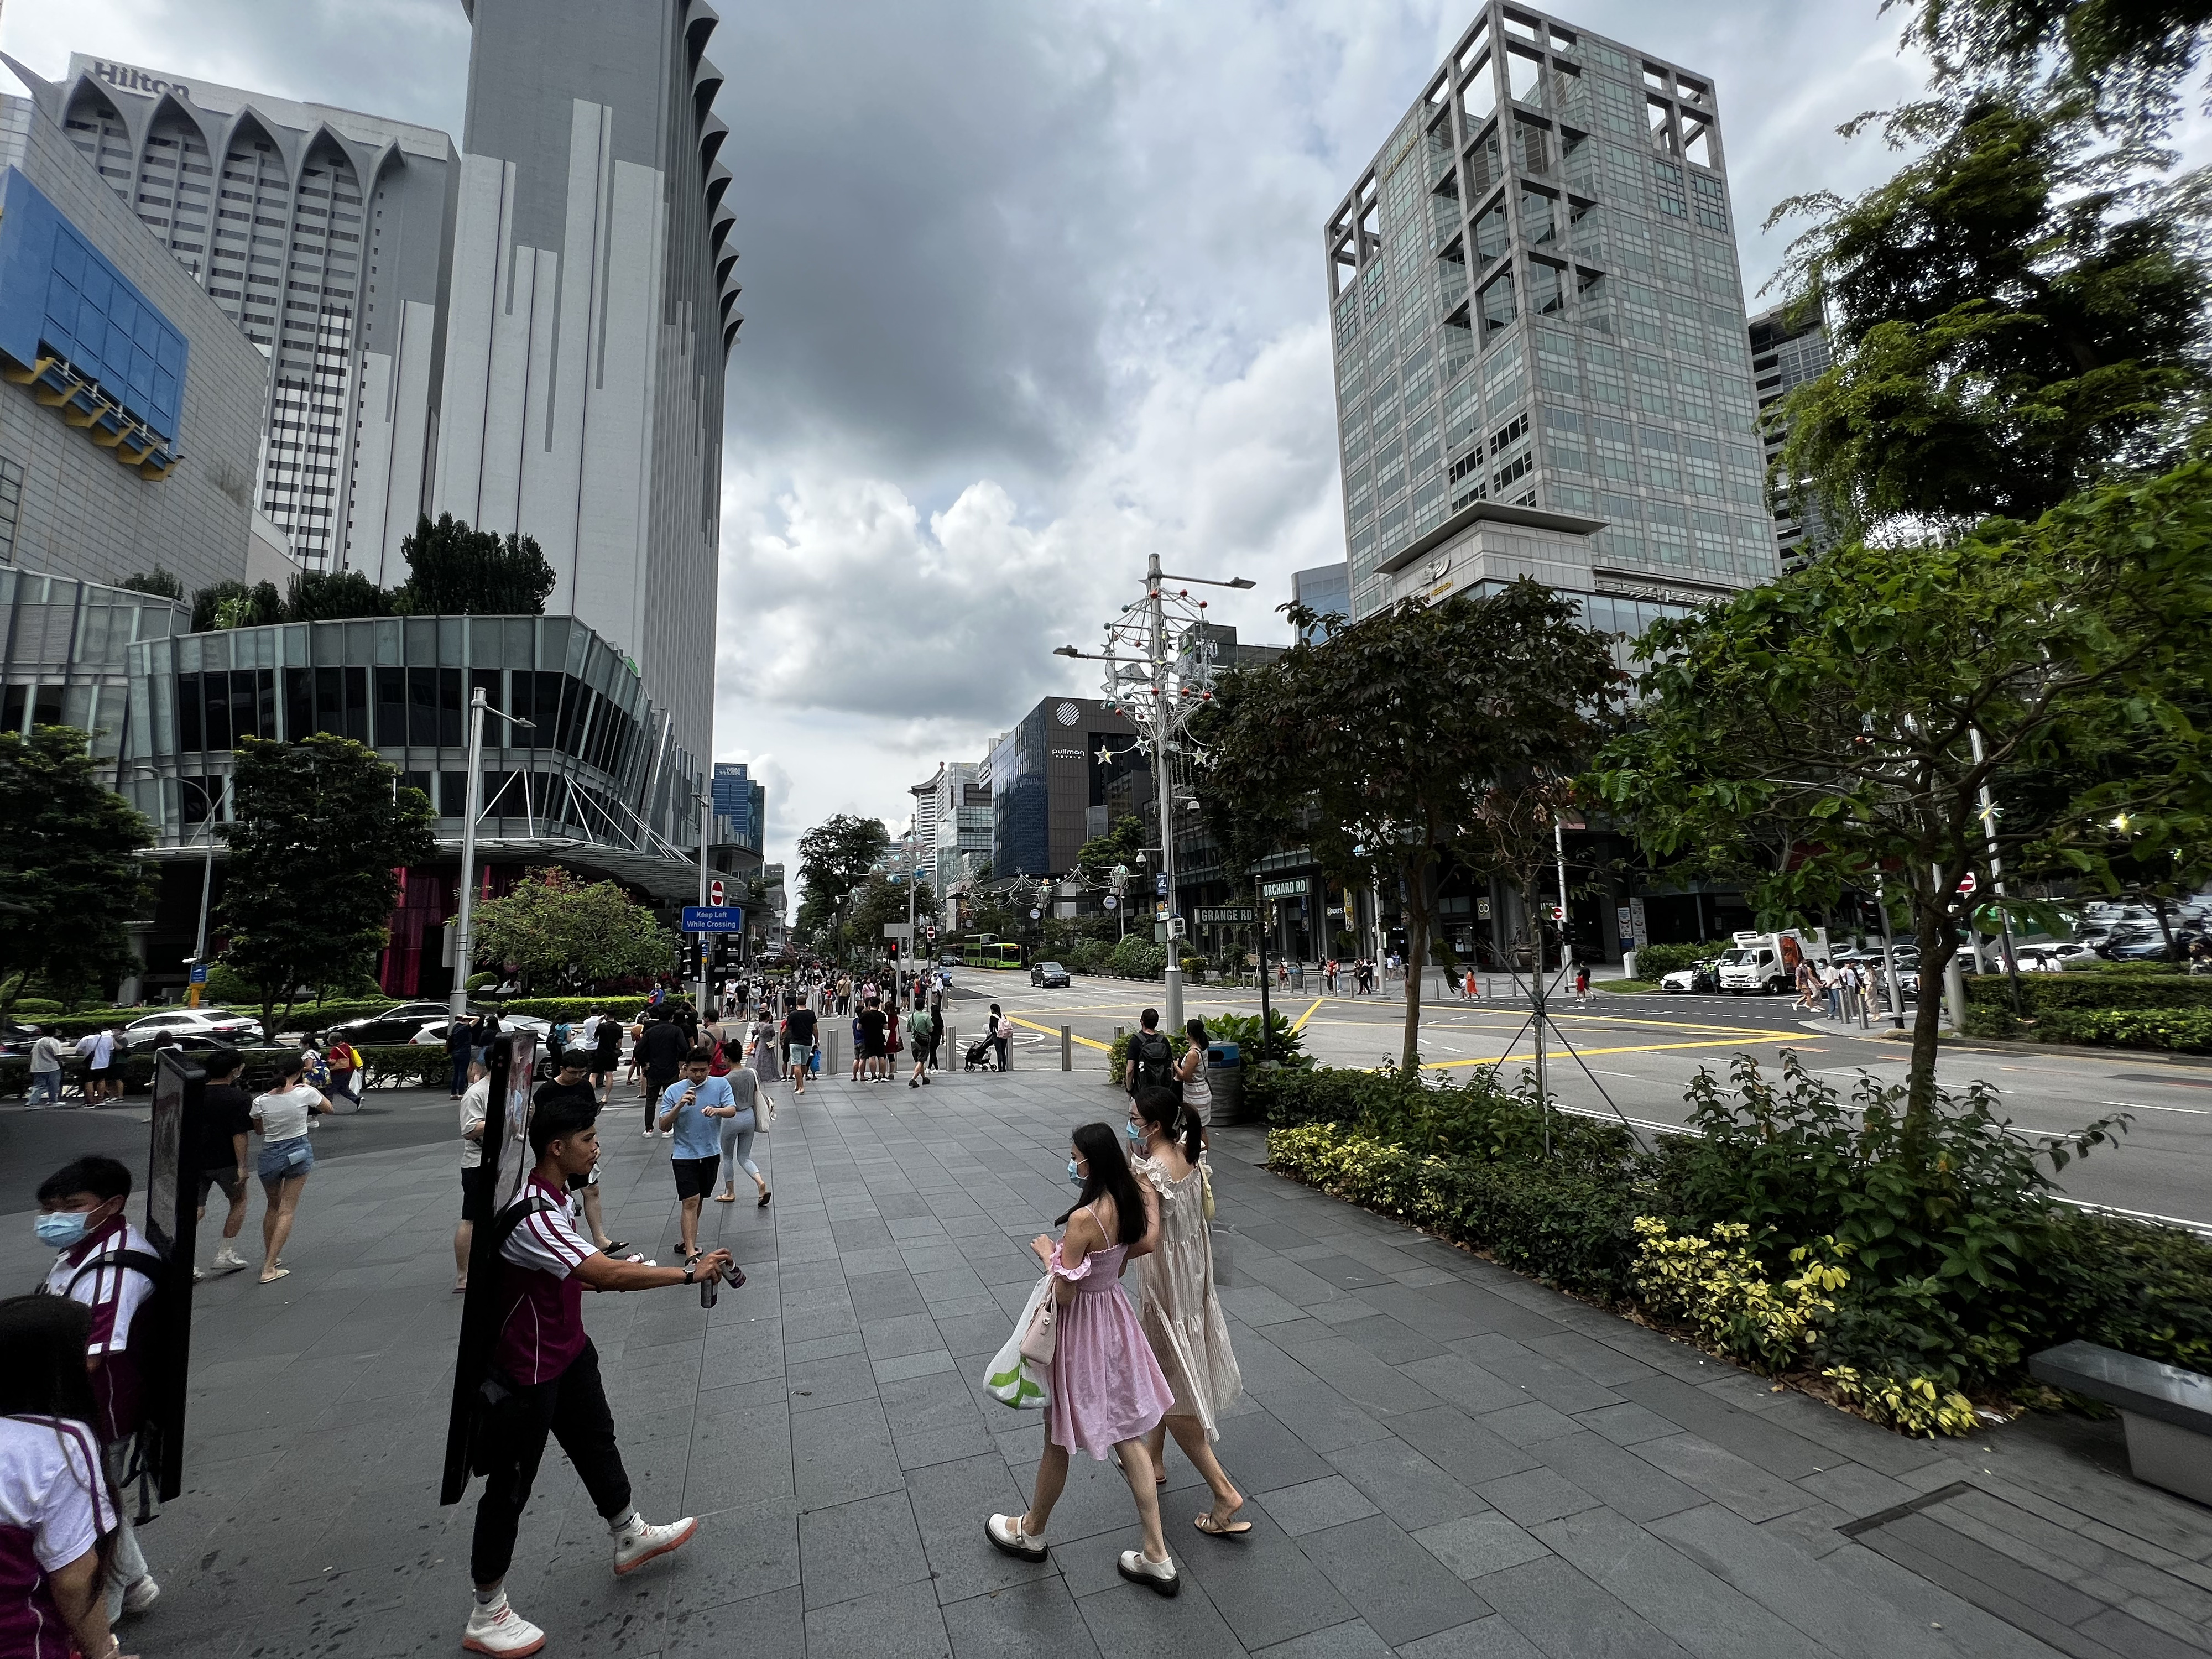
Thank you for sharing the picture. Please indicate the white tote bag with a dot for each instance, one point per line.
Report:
(1012, 1380)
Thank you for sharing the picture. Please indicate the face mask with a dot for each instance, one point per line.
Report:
(60, 1229)
(1074, 1174)
(1136, 1134)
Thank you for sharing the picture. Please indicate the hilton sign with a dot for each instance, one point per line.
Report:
(125, 78)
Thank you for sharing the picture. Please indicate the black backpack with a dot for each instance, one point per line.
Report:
(1150, 1050)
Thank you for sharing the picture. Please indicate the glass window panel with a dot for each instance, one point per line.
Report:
(391, 707)
(357, 704)
(453, 726)
(188, 711)
(217, 703)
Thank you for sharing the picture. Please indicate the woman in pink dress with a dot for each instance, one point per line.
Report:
(1107, 1390)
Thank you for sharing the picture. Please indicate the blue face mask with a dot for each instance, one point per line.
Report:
(1074, 1174)
(1136, 1133)
(60, 1229)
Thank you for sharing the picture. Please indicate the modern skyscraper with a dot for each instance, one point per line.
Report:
(1783, 358)
(960, 813)
(590, 305)
(741, 804)
(319, 233)
(1325, 590)
(1539, 330)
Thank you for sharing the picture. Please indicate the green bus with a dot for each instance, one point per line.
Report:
(991, 953)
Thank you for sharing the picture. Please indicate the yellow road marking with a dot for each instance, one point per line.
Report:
(1053, 1030)
(1634, 1048)
(1301, 1024)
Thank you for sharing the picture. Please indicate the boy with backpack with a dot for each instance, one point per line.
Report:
(108, 1265)
(1151, 1060)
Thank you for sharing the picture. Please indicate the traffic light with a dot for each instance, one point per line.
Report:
(894, 950)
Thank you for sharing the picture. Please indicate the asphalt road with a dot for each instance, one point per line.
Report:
(1638, 1052)
(1637, 1056)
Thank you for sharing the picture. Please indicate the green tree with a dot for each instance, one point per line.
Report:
(70, 876)
(2017, 314)
(1123, 844)
(331, 595)
(2130, 54)
(1387, 737)
(833, 859)
(553, 929)
(1849, 698)
(319, 834)
(233, 605)
(456, 571)
(156, 581)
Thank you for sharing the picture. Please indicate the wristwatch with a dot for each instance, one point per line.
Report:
(689, 1269)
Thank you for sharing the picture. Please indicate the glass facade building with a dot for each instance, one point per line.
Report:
(595, 777)
(65, 653)
(1538, 322)
(1783, 356)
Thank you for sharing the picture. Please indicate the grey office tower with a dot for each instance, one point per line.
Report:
(590, 305)
(1539, 335)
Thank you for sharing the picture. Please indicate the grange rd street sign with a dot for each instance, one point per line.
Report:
(714, 919)
(1229, 913)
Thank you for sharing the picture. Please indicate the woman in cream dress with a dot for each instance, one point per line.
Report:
(1180, 1316)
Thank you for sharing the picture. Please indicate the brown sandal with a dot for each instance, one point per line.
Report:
(725, 1198)
(1214, 1528)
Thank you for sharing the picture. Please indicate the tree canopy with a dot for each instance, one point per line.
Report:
(1384, 741)
(2017, 314)
(456, 571)
(552, 928)
(320, 833)
(2130, 55)
(1845, 701)
(834, 857)
(70, 876)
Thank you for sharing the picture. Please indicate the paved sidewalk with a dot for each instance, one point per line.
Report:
(1444, 1459)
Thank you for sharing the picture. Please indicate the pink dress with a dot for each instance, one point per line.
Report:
(1106, 1386)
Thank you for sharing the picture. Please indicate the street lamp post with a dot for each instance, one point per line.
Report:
(706, 820)
(457, 1002)
(1147, 681)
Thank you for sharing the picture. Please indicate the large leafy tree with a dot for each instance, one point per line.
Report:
(2131, 54)
(320, 833)
(456, 571)
(552, 928)
(2017, 314)
(1871, 697)
(70, 876)
(1384, 741)
(1123, 844)
(834, 857)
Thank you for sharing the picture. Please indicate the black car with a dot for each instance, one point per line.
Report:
(1048, 973)
(397, 1024)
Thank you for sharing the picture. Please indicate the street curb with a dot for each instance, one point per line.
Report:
(2064, 1050)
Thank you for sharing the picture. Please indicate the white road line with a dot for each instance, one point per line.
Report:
(2145, 1106)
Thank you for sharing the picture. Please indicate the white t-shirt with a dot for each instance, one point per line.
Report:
(51, 1487)
(475, 1102)
(114, 1294)
(286, 1116)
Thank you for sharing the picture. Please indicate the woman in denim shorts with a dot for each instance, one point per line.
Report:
(281, 1118)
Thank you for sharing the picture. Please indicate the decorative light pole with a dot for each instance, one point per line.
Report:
(1160, 673)
(464, 938)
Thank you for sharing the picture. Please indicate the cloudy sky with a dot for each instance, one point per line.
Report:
(1031, 289)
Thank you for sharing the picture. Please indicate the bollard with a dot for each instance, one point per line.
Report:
(832, 1046)
(1066, 1049)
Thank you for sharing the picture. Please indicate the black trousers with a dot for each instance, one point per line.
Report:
(571, 1408)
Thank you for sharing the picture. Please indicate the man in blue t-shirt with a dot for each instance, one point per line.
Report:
(692, 1104)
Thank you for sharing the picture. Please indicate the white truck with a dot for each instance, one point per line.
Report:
(1768, 962)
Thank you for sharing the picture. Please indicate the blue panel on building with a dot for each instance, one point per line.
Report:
(60, 297)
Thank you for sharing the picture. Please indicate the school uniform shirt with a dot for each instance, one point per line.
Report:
(54, 1506)
(541, 1328)
(114, 1294)
(698, 1135)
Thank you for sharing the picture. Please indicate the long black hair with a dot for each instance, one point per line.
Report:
(44, 1338)
(1110, 1177)
(1164, 1110)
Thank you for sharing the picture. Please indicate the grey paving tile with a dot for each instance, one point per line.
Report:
(1130, 1622)
(1633, 1486)
(1400, 1588)
(952, 1501)
(1028, 1620)
(1743, 1487)
(901, 1623)
(1493, 1638)
(1316, 1504)
(1404, 1484)
(1354, 1640)
(1461, 1446)
(1476, 1545)
(1627, 1424)
(1535, 1495)
(1320, 1416)
(1567, 1616)
(1261, 1584)
(843, 1453)
(741, 1554)
(1753, 1439)
(1466, 1384)
(1262, 1454)
(859, 1548)
(1529, 1423)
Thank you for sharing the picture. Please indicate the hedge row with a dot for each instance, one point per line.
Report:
(2178, 1030)
(1652, 961)
(306, 1017)
(2041, 993)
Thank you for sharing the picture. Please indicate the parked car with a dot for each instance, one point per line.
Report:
(219, 1024)
(1048, 973)
(2050, 958)
(397, 1024)
(434, 1030)
(15, 1040)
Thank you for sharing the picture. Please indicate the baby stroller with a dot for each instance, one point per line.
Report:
(982, 1056)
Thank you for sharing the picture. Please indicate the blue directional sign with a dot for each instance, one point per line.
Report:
(714, 919)
(199, 973)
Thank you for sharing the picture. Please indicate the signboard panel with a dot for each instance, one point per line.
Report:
(1227, 913)
(714, 919)
(1280, 889)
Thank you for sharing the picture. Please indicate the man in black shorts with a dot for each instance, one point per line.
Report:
(661, 1054)
(876, 1055)
(799, 1045)
(216, 1152)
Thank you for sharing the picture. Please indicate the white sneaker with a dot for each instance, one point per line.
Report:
(640, 1540)
(228, 1260)
(140, 1595)
(499, 1629)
